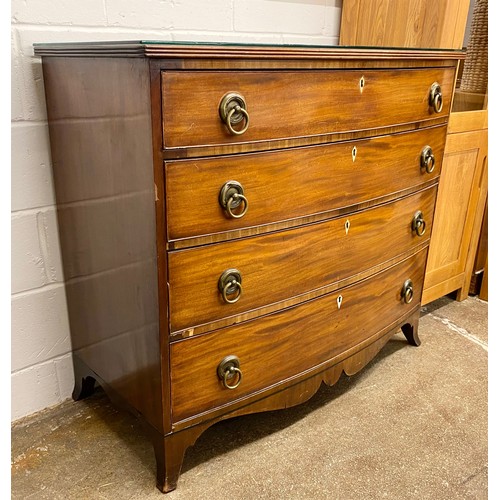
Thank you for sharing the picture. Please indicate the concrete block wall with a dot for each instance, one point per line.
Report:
(42, 372)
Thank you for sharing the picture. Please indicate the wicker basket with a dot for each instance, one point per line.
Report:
(475, 75)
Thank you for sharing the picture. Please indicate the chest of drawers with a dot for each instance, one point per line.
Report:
(239, 224)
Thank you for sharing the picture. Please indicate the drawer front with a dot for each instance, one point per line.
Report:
(295, 183)
(280, 346)
(278, 266)
(291, 104)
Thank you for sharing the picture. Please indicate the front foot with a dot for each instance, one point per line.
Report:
(169, 451)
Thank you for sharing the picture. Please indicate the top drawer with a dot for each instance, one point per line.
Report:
(293, 104)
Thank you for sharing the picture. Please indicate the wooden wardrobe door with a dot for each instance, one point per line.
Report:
(461, 195)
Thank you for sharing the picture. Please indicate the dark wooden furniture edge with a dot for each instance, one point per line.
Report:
(208, 50)
(161, 237)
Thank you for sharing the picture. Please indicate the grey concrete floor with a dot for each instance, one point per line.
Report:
(412, 424)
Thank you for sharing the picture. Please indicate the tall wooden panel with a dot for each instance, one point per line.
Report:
(404, 23)
(459, 207)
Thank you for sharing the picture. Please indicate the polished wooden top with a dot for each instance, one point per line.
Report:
(170, 49)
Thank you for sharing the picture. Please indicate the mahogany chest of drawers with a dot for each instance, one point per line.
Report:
(239, 224)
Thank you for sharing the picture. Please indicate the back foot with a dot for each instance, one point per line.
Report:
(84, 381)
(410, 329)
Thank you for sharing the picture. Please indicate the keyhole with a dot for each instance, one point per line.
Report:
(347, 225)
(339, 301)
(362, 83)
(354, 153)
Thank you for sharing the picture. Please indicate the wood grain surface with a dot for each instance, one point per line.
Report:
(299, 389)
(280, 265)
(207, 55)
(284, 345)
(460, 205)
(295, 183)
(404, 23)
(101, 146)
(284, 104)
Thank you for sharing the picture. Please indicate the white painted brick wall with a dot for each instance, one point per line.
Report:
(42, 373)
(60, 12)
(36, 259)
(291, 17)
(42, 311)
(215, 15)
(32, 176)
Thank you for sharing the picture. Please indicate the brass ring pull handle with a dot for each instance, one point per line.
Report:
(231, 197)
(418, 223)
(228, 369)
(226, 291)
(230, 285)
(407, 291)
(436, 98)
(233, 110)
(427, 159)
(235, 199)
(238, 110)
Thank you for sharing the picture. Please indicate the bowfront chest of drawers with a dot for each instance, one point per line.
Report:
(239, 224)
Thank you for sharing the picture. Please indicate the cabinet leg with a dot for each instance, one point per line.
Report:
(84, 381)
(462, 294)
(169, 452)
(410, 329)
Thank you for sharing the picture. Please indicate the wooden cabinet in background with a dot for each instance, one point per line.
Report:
(404, 23)
(459, 207)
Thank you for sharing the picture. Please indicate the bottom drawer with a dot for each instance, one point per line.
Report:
(283, 345)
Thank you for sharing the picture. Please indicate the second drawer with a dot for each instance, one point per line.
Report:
(226, 279)
(294, 184)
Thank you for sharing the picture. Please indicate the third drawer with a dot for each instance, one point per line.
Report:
(289, 264)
